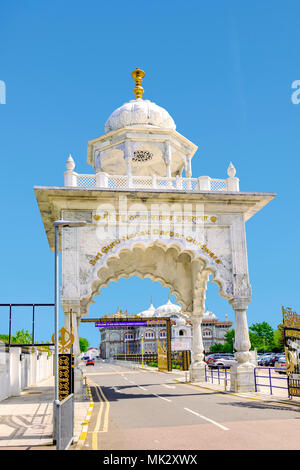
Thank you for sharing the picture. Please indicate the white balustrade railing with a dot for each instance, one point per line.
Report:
(148, 182)
(178, 183)
(103, 180)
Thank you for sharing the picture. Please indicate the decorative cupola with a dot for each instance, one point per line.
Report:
(141, 140)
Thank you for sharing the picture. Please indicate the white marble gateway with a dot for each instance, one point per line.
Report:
(148, 216)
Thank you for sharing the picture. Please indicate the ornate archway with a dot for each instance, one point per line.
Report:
(144, 218)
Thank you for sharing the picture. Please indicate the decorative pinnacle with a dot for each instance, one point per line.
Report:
(231, 171)
(138, 76)
(70, 165)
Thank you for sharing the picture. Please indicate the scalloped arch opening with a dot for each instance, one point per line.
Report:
(170, 265)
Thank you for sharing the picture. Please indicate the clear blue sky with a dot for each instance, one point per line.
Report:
(222, 69)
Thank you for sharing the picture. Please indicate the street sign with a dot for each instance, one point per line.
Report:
(118, 324)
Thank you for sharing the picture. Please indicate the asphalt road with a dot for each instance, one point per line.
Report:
(137, 409)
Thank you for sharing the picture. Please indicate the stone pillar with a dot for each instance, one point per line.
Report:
(204, 183)
(242, 373)
(127, 156)
(232, 181)
(200, 278)
(197, 370)
(154, 181)
(188, 166)
(101, 179)
(70, 177)
(167, 158)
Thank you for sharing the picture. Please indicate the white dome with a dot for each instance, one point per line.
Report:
(181, 321)
(139, 113)
(167, 309)
(209, 316)
(148, 313)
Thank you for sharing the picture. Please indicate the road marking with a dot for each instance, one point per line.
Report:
(103, 402)
(168, 386)
(98, 423)
(207, 419)
(162, 398)
(105, 425)
(143, 388)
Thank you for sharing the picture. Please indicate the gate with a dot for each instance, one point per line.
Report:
(291, 327)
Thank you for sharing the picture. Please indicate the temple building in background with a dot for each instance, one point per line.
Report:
(128, 340)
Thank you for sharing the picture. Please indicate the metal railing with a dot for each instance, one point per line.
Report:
(139, 358)
(269, 379)
(10, 319)
(63, 422)
(217, 375)
(146, 358)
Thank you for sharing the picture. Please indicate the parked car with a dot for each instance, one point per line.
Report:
(214, 356)
(90, 362)
(264, 359)
(223, 361)
(270, 360)
(275, 359)
(280, 364)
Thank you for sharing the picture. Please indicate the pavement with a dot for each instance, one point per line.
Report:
(26, 421)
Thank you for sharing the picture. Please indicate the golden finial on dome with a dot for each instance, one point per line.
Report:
(138, 76)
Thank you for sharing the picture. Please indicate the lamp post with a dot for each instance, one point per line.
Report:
(142, 350)
(57, 224)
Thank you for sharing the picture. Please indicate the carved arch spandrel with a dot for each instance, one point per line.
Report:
(168, 264)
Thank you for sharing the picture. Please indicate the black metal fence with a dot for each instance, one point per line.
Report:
(139, 358)
(10, 308)
(147, 358)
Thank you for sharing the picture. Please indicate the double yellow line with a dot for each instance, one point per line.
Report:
(102, 417)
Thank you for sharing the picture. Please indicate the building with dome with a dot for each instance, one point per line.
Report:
(116, 340)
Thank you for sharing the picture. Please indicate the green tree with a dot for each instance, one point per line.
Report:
(84, 344)
(261, 336)
(217, 347)
(22, 337)
(227, 347)
(229, 341)
(4, 338)
(279, 338)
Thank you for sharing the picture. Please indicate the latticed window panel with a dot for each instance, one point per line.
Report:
(166, 183)
(118, 182)
(218, 185)
(142, 182)
(190, 184)
(86, 181)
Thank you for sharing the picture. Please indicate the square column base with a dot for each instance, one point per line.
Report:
(242, 377)
(197, 372)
